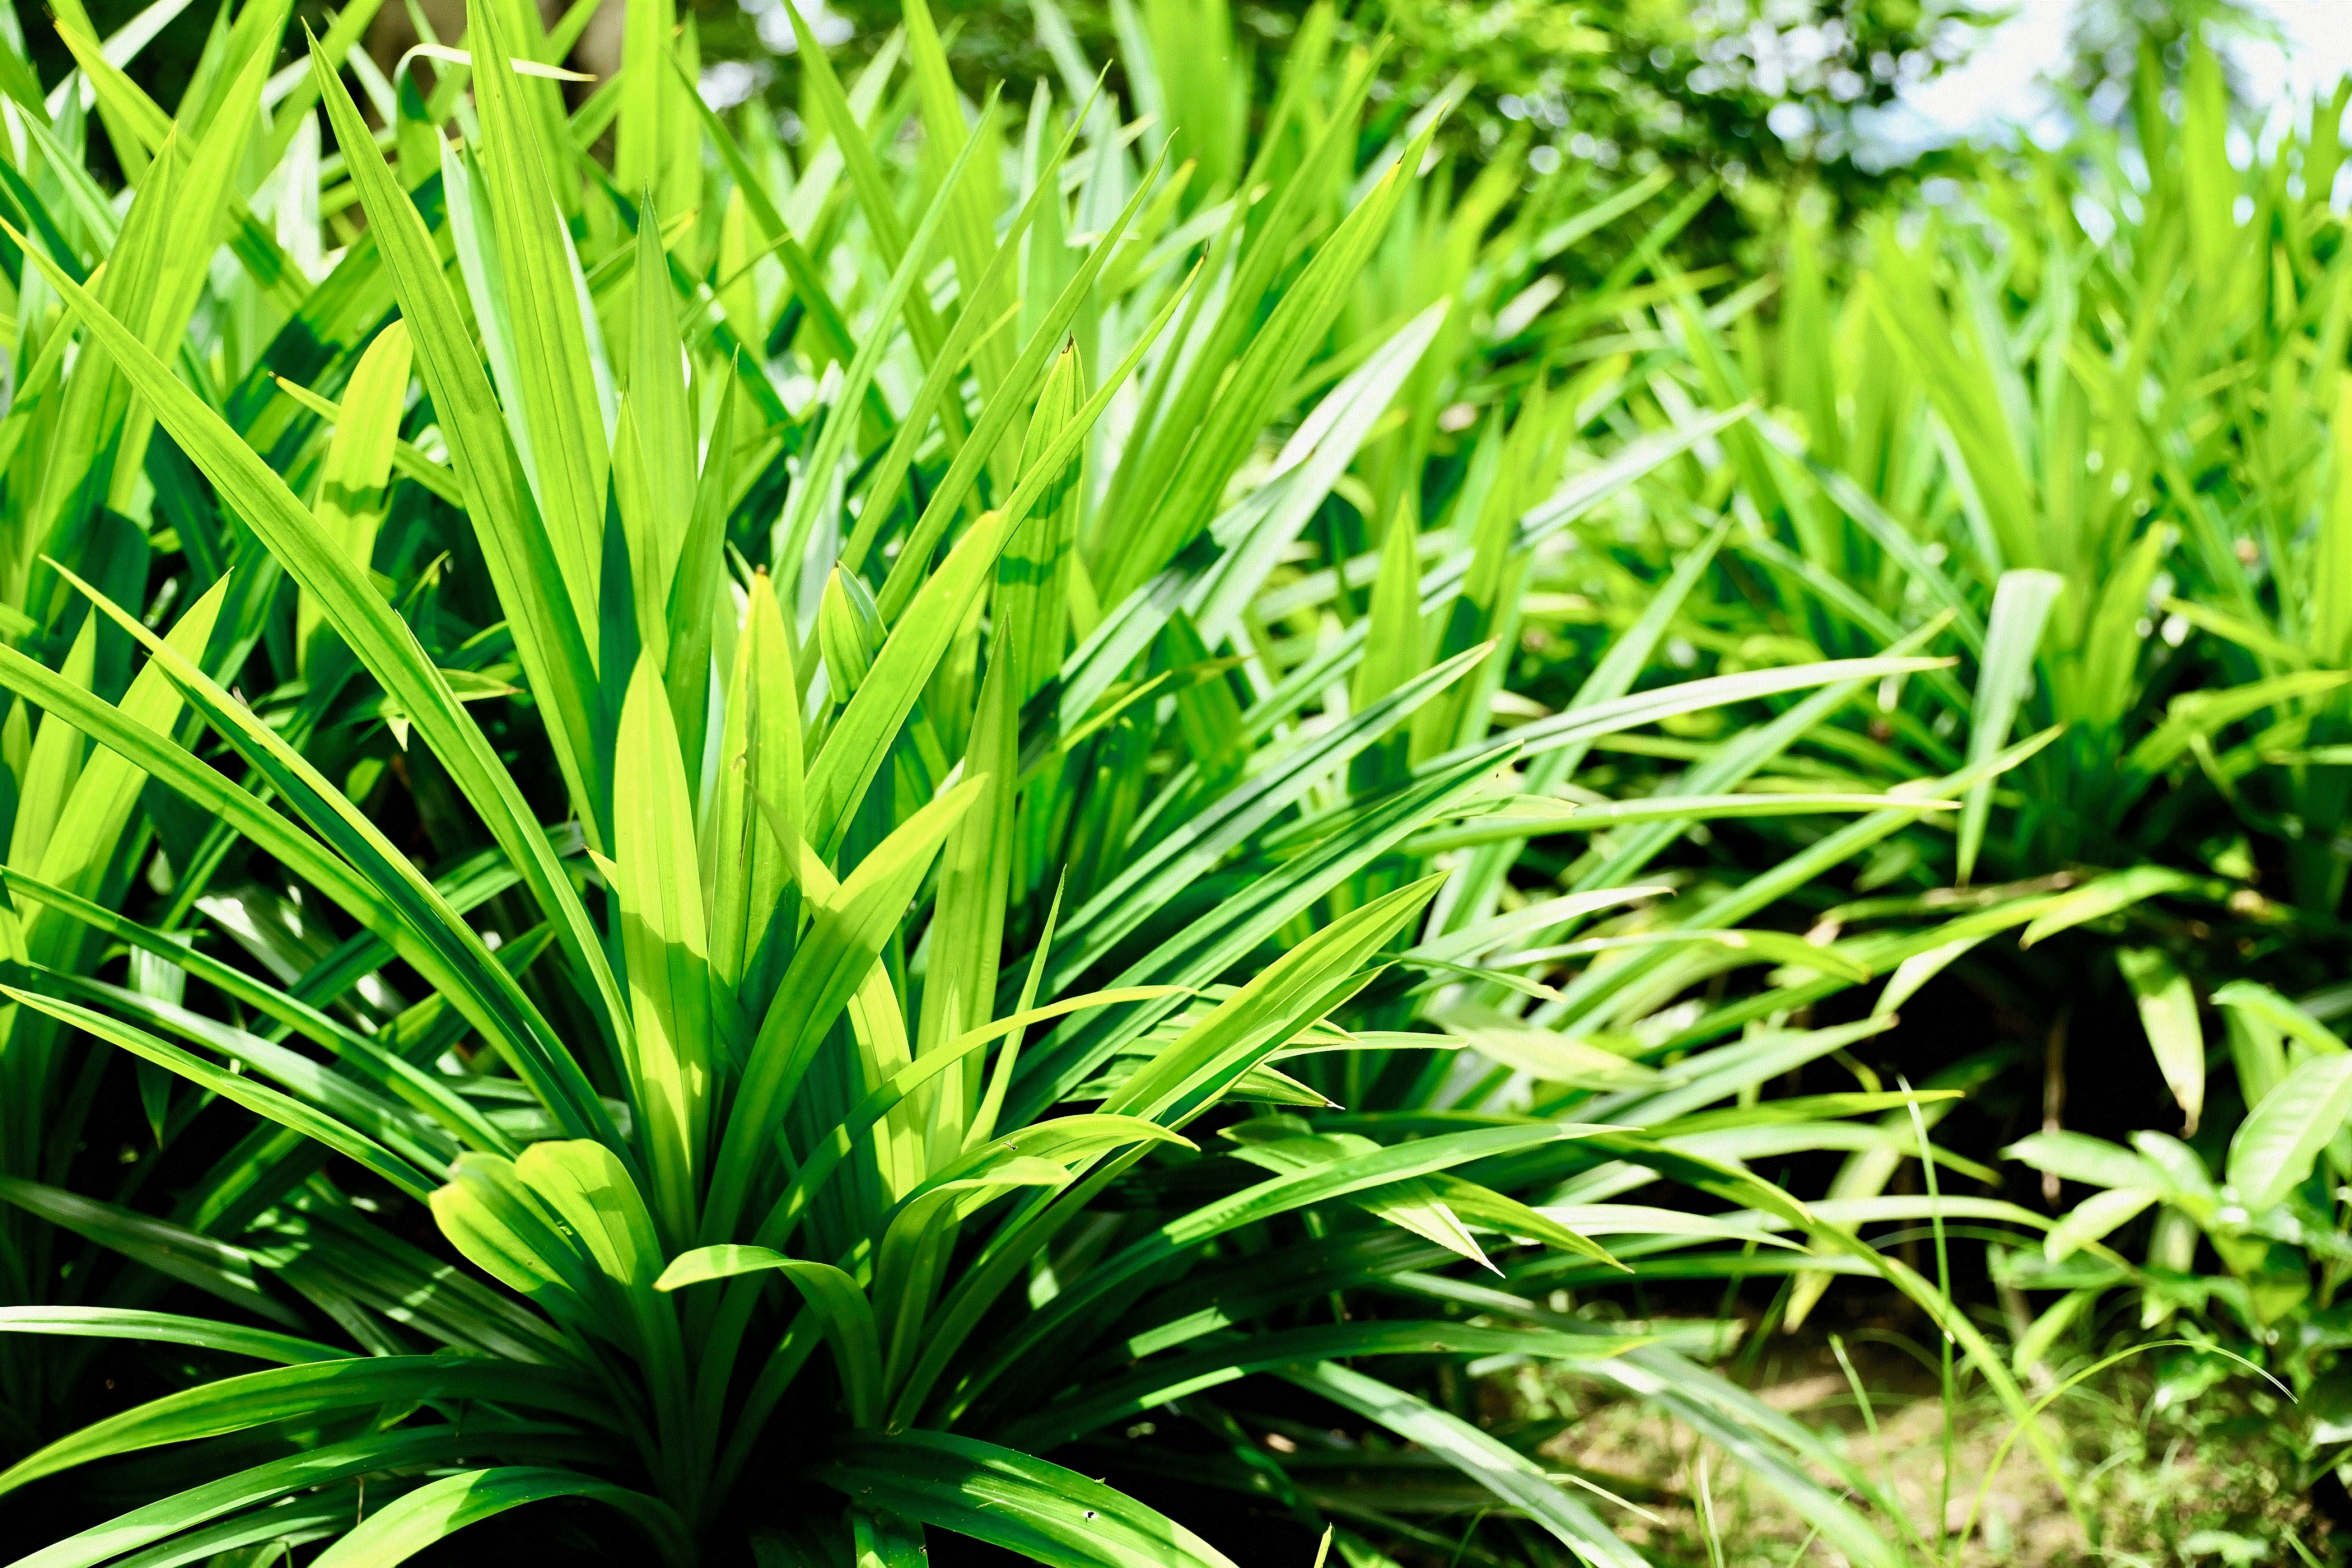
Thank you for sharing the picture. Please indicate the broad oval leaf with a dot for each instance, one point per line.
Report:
(2274, 1148)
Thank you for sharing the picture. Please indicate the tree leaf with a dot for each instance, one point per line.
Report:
(2274, 1148)
(2168, 1011)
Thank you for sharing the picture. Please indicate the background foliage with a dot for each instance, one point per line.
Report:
(1627, 87)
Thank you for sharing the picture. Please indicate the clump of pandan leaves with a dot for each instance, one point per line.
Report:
(950, 933)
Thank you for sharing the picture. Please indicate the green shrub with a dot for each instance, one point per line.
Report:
(2091, 427)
